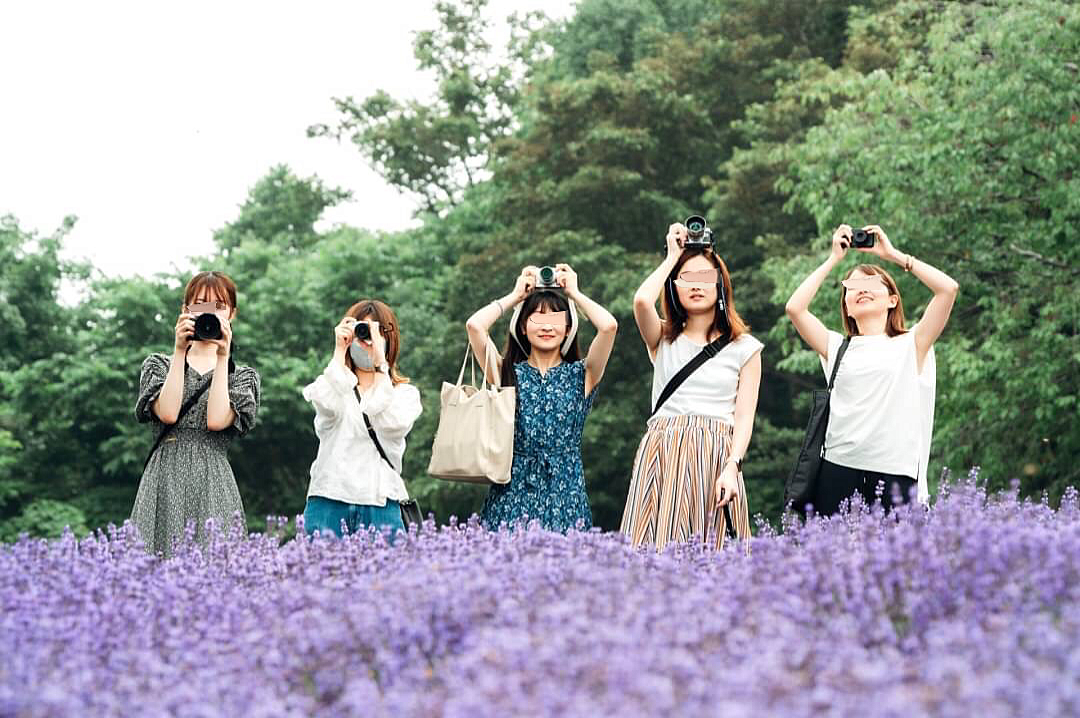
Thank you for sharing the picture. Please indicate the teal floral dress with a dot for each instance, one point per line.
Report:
(547, 481)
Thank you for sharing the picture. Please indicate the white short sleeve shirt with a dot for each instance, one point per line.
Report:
(709, 391)
(881, 413)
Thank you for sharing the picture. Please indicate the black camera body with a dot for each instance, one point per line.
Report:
(207, 326)
(698, 233)
(545, 278)
(862, 238)
(362, 330)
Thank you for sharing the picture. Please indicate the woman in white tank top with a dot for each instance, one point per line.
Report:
(882, 405)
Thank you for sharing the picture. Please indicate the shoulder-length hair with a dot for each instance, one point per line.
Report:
(726, 321)
(388, 327)
(894, 323)
(514, 353)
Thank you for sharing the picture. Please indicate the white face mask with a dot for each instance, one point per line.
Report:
(361, 357)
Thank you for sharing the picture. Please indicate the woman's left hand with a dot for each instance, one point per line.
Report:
(882, 246)
(566, 278)
(378, 343)
(224, 345)
(727, 484)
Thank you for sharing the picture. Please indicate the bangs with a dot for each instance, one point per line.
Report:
(216, 284)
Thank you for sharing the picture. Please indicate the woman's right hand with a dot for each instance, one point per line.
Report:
(525, 282)
(185, 331)
(676, 236)
(841, 242)
(343, 334)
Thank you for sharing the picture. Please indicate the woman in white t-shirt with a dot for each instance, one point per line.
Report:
(350, 480)
(689, 464)
(882, 407)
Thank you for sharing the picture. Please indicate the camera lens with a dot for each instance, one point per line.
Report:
(362, 331)
(207, 326)
(862, 238)
(547, 277)
(695, 226)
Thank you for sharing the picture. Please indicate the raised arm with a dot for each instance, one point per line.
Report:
(942, 285)
(480, 323)
(606, 327)
(648, 321)
(810, 327)
(219, 412)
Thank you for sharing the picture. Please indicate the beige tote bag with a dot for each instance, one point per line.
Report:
(475, 439)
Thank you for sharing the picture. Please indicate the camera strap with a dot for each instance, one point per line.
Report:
(371, 432)
(192, 400)
(707, 352)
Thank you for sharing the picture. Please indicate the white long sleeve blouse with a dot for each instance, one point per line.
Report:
(348, 467)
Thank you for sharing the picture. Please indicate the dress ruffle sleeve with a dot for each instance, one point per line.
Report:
(245, 393)
(151, 379)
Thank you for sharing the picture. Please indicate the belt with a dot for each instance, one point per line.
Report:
(537, 465)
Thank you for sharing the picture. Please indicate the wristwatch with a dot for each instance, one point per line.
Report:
(738, 464)
(384, 368)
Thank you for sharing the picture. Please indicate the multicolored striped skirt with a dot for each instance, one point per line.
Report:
(673, 488)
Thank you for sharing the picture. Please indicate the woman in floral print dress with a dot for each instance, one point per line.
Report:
(555, 390)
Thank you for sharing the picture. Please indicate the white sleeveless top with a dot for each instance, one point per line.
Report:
(709, 391)
(881, 414)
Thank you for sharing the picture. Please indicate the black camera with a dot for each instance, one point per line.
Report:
(362, 330)
(862, 238)
(546, 278)
(698, 233)
(207, 326)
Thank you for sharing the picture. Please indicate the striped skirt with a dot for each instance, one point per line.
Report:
(673, 488)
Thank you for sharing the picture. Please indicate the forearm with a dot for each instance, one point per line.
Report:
(740, 436)
(935, 280)
(802, 297)
(167, 405)
(597, 315)
(483, 318)
(219, 412)
(650, 289)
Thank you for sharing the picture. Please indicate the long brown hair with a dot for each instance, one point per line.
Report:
(513, 354)
(388, 326)
(217, 282)
(726, 321)
(894, 323)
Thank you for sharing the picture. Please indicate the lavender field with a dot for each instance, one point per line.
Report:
(971, 608)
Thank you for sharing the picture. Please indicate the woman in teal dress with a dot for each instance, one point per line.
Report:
(555, 390)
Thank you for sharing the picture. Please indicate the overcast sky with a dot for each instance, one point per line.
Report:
(151, 121)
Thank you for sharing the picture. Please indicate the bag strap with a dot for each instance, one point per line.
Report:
(707, 352)
(371, 432)
(836, 364)
(183, 410)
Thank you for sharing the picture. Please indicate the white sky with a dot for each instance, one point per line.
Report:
(151, 121)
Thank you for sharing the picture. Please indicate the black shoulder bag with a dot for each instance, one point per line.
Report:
(707, 352)
(410, 508)
(169, 427)
(802, 482)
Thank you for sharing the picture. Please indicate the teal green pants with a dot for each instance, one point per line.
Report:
(326, 515)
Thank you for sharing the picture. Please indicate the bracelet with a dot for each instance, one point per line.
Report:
(497, 304)
(908, 263)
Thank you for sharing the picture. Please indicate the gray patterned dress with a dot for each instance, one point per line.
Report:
(189, 477)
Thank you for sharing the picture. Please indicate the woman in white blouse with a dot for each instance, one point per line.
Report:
(688, 466)
(881, 412)
(351, 483)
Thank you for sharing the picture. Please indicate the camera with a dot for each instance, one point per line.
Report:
(546, 278)
(698, 233)
(207, 326)
(362, 330)
(862, 238)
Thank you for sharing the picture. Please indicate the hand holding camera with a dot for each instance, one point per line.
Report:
(185, 332)
(676, 235)
(525, 282)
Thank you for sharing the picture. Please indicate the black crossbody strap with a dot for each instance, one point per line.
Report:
(371, 431)
(836, 364)
(168, 428)
(707, 352)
